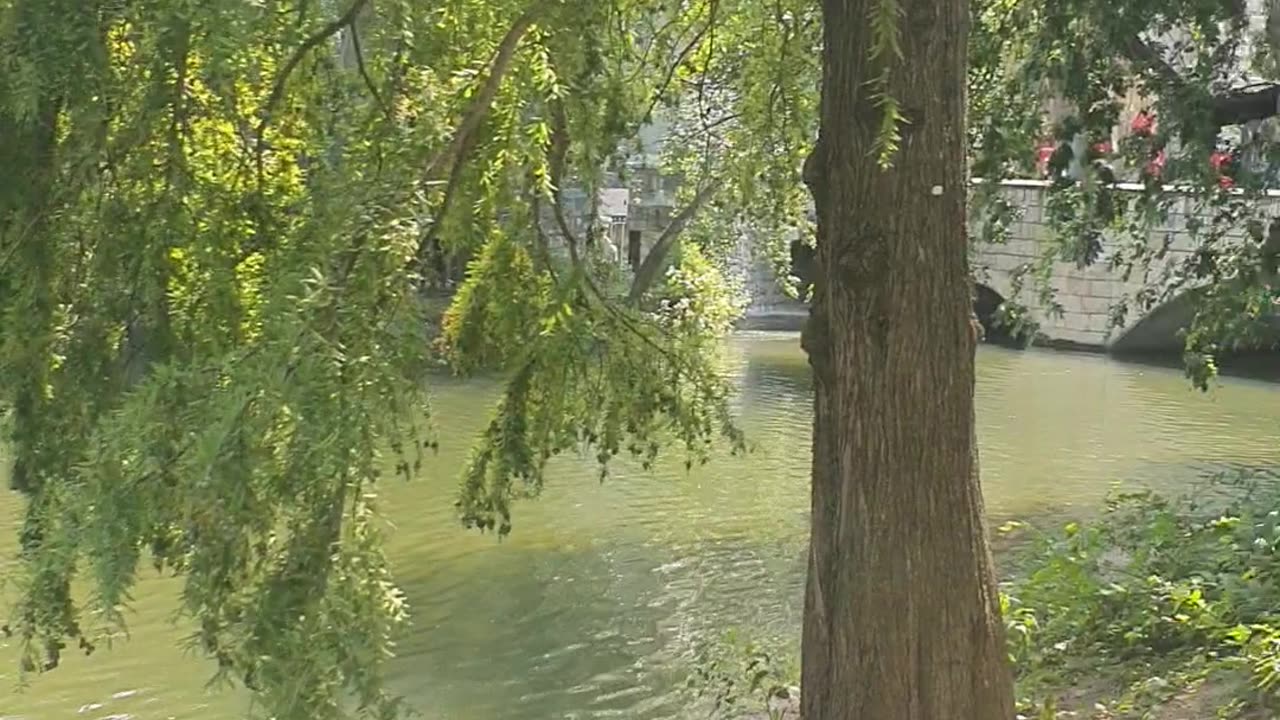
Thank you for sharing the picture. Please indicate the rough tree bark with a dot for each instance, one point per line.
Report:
(901, 609)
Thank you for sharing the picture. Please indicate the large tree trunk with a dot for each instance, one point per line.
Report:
(901, 609)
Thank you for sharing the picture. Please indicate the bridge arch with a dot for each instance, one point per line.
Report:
(1159, 331)
(986, 307)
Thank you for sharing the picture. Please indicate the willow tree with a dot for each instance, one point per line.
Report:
(217, 223)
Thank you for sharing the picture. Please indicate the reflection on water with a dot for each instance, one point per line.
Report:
(593, 606)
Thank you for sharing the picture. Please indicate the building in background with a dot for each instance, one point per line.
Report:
(636, 206)
(633, 208)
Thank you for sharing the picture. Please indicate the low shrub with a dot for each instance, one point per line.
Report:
(1149, 600)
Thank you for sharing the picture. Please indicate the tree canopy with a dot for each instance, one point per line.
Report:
(218, 226)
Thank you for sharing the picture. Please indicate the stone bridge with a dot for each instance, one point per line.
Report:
(1085, 295)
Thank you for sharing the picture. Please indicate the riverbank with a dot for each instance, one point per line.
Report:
(1160, 608)
(1157, 609)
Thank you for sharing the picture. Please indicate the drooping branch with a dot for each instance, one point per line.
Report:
(1230, 108)
(303, 6)
(653, 262)
(364, 72)
(431, 238)
(455, 154)
(543, 243)
(678, 137)
(556, 160)
(648, 271)
(277, 90)
(483, 99)
(661, 89)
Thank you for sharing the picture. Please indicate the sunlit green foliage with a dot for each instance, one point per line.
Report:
(216, 224)
(1152, 598)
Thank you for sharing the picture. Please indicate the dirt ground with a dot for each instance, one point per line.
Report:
(1204, 701)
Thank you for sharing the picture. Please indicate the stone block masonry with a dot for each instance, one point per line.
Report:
(1086, 296)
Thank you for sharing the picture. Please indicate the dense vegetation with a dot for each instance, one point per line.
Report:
(1159, 602)
(218, 222)
(219, 219)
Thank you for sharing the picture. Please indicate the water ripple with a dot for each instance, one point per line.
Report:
(595, 604)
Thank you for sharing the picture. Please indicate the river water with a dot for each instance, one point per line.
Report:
(593, 606)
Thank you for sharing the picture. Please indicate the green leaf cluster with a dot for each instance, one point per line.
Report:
(217, 229)
(1155, 592)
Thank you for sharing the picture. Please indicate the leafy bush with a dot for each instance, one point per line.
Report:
(739, 677)
(1153, 593)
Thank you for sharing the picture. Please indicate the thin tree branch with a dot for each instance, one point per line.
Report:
(683, 55)
(704, 111)
(430, 242)
(395, 77)
(364, 72)
(556, 165)
(277, 90)
(460, 146)
(654, 37)
(302, 12)
(558, 154)
(482, 101)
(647, 273)
(543, 242)
(692, 135)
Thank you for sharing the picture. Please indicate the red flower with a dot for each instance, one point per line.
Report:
(1143, 124)
(1217, 159)
(1226, 183)
(1044, 152)
(1102, 148)
(1155, 166)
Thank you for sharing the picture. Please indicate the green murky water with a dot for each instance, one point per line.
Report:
(592, 607)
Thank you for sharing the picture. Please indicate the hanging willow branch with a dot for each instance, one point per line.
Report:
(886, 48)
(364, 73)
(347, 19)
(455, 154)
(483, 99)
